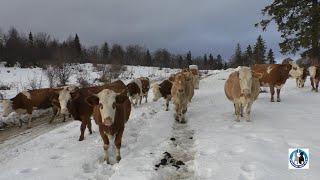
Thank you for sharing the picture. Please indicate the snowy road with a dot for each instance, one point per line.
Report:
(220, 148)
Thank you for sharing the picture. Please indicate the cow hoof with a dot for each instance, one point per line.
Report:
(118, 158)
(166, 109)
(90, 132)
(81, 138)
(278, 100)
(272, 100)
(29, 127)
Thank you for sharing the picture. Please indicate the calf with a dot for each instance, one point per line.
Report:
(242, 89)
(273, 76)
(73, 101)
(162, 90)
(145, 88)
(111, 112)
(179, 93)
(135, 91)
(314, 77)
(25, 102)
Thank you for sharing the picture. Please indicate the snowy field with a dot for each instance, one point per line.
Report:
(212, 145)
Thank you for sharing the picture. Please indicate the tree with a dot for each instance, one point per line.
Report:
(117, 54)
(205, 62)
(30, 41)
(148, 58)
(299, 25)
(211, 63)
(77, 47)
(270, 57)
(219, 62)
(248, 56)
(189, 58)
(162, 58)
(180, 61)
(259, 51)
(105, 52)
(237, 57)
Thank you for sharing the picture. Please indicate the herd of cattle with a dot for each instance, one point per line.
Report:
(110, 104)
(243, 86)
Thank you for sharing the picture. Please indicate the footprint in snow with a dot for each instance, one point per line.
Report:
(55, 157)
(248, 172)
(28, 170)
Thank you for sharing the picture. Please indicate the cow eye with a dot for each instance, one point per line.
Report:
(113, 105)
(101, 106)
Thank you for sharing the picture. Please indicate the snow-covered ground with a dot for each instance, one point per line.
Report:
(212, 144)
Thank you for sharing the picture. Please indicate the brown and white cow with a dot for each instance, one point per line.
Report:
(242, 88)
(314, 72)
(111, 112)
(145, 88)
(73, 101)
(25, 102)
(273, 76)
(137, 89)
(180, 96)
(195, 72)
(162, 90)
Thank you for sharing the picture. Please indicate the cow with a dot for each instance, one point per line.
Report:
(180, 96)
(145, 88)
(26, 101)
(162, 90)
(195, 72)
(189, 79)
(302, 79)
(134, 91)
(73, 101)
(314, 72)
(111, 110)
(273, 76)
(242, 88)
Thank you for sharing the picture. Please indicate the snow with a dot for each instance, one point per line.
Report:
(220, 147)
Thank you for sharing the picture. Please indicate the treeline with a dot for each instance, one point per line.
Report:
(40, 49)
(256, 54)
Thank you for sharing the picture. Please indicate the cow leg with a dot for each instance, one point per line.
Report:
(84, 122)
(117, 142)
(184, 110)
(63, 118)
(105, 143)
(312, 83)
(248, 111)
(167, 104)
(317, 84)
(272, 93)
(55, 112)
(89, 126)
(177, 114)
(237, 109)
(278, 94)
(140, 99)
(29, 120)
(297, 82)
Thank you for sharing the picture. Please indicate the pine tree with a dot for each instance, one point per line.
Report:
(180, 61)
(237, 59)
(105, 52)
(30, 40)
(189, 58)
(205, 62)
(259, 51)
(299, 25)
(219, 62)
(77, 47)
(248, 56)
(270, 57)
(148, 58)
(211, 63)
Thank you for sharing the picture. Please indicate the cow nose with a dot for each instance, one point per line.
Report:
(64, 111)
(107, 121)
(180, 90)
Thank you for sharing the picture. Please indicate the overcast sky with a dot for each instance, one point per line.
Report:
(202, 26)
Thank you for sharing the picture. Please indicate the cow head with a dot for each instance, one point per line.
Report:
(295, 70)
(106, 102)
(245, 81)
(156, 92)
(65, 96)
(7, 107)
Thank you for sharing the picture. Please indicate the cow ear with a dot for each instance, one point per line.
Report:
(92, 100)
